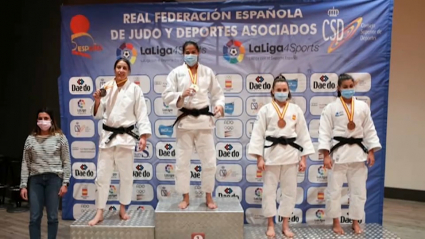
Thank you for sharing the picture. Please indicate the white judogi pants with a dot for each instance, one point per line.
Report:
(287, 175)
(356, 174)
(123, 159)
(203, 141)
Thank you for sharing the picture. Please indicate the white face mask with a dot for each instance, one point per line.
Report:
(44, 124)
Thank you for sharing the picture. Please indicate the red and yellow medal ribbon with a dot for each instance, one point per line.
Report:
(192, 78)
(349, 115)
(279, 113)
(121, 82)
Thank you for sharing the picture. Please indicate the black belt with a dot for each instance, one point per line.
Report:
(350, 141)
(193, 112)
(120, 130)
(284, 141)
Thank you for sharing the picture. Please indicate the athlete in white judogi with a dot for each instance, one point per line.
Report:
(280, 141)
(347, 138)
(187, 89)
(121, 109)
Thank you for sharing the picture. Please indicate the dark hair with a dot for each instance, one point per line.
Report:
(53, 129)
(187, 43)
(281, 78)
(124, 60)
(341, 78)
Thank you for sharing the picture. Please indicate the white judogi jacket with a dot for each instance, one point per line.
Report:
(127, 109)
(266, 125)
(179, 80)
(333, 123)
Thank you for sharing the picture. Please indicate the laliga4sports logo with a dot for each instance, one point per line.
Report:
(127, 51)
(233, 51)
(82, 41)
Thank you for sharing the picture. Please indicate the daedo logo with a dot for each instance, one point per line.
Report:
(142, 171)
(80, 85)
(228, 152)
(166, 151)
(227, 193)
(84, 170)
(324, 82)
(80, 26)
(196, 172)
(259, 83)
(127, 51)
(233, 51)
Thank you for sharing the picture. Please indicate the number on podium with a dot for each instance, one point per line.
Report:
(198, 236)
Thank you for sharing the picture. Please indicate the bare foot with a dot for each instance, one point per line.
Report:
(123, 213)
(285, 229)
(183, 204)
(98, 218)
(211, 205)
(270, 231)
(337, 227)
(356, 227)
(287, 233)
(210, 202)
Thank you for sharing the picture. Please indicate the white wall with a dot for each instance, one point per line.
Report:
(405, 158)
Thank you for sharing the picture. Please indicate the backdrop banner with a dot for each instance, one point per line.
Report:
(247, 45)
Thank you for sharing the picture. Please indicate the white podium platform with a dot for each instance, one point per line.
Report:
(225, 222)
(199, 222)
(140, 225)
(305, 231)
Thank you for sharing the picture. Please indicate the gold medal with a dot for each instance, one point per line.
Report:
(351, 125)
(281, 123)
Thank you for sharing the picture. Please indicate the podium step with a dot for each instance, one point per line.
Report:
(140, 225)
(319, 231)
(225, 222)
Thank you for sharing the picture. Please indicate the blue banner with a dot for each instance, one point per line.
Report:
(246, 44)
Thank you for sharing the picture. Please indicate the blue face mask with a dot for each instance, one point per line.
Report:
(190, 59)
(347, 93)
(281, 96)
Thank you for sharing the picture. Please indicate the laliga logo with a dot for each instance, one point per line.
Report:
(80, 26)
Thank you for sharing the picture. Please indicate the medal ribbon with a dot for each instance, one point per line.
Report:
(193, 79)
(350, 116)
(276, 107)
(121, 82)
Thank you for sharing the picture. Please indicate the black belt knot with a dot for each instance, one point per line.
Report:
(284, 141)
(120, 130)
(349, 141)
(193, 112)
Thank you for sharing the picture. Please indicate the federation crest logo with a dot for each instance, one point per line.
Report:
(127, 51)
(233, 51)
(83, 43)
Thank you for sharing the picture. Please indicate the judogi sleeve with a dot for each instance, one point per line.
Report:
(141, 112)
(217, 95)
(100, 110)
(303, 135)
(325, 129)
(370, 138)
(256, 144)
(170, 95)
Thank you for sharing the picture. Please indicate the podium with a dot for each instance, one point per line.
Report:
(140, 225)
(197, 221)
(227, 221)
